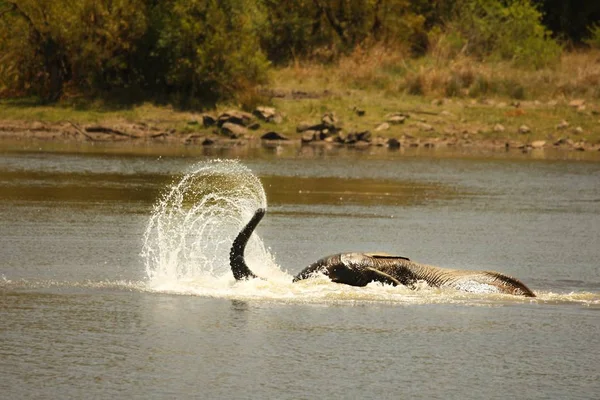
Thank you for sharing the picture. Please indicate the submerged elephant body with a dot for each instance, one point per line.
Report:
(359, 269)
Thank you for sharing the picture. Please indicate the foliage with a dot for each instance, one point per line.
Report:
(508, 30)
(195, 52)
(325, 29)
(192, 49)
(212, 48)
(593, 39)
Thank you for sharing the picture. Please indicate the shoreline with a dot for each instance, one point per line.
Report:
(143, 133)
(59, 138)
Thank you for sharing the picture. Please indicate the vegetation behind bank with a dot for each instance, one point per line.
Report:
(194, 53)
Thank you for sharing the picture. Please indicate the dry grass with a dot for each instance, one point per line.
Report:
(391, 71)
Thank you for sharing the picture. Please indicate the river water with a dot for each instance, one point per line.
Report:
(114, 280)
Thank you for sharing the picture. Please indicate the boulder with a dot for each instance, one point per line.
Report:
(359, 111)
(379, 141)
(351, 138)
(499, 128)
(268, 114)
(233, 131)
(393, 143)
(425, 127)
(273, 136)
(382, 127)
(523, 129)
(307, 126)
(208, 120)
(364, 136)
(37, 126)
(537, 144)
(562, 125)
(563, 142)
(309, 136)
(329, 120)
(235, 117)
(396, 119)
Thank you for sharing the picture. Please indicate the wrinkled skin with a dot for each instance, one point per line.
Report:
(359, 269)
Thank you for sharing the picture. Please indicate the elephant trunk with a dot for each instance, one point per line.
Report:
(236, 254)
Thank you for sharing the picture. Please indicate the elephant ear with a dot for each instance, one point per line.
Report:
(386, 256)
(378, 276)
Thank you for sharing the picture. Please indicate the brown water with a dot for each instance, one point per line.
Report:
(82, 318)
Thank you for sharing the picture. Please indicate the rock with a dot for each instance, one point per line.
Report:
(254, 126)
(537, 144)
(303, 126)
(359, 111)
(268, 114)
(379, 141)
(322, 135)
(351, 138)
(233, 131)
(396, 119)
(523, 129)
(208, 120)
(581, 109)
(309, 136)
(277, 119)
(393, 143)
(235, 117)
(447, 113)
(382, 127)
(329, 120)
(425, 127)
(264, 113)
(499, 128)
(273, 136)
(37, 126)
(208, 142)
(340, 138)
(563, 125)
(307, 126)
(576, 103)
(563, 142)
(578, 130)
(429, 145)
(364, 136)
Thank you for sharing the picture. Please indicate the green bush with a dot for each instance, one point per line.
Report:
(507, 30)
(212, 49)
(196, 51)
(593, 39)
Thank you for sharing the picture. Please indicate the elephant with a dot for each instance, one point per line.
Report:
(359, 269)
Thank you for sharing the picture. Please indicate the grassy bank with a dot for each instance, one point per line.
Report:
(444, 97)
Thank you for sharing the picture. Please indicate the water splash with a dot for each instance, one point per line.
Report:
(190, 232)
(192, 227)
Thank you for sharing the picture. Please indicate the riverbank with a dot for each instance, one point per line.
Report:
(324, 118)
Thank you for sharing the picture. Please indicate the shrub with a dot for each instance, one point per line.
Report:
(510, 30)
(593, 39)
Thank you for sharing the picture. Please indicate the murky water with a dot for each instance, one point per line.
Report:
(114, 280)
